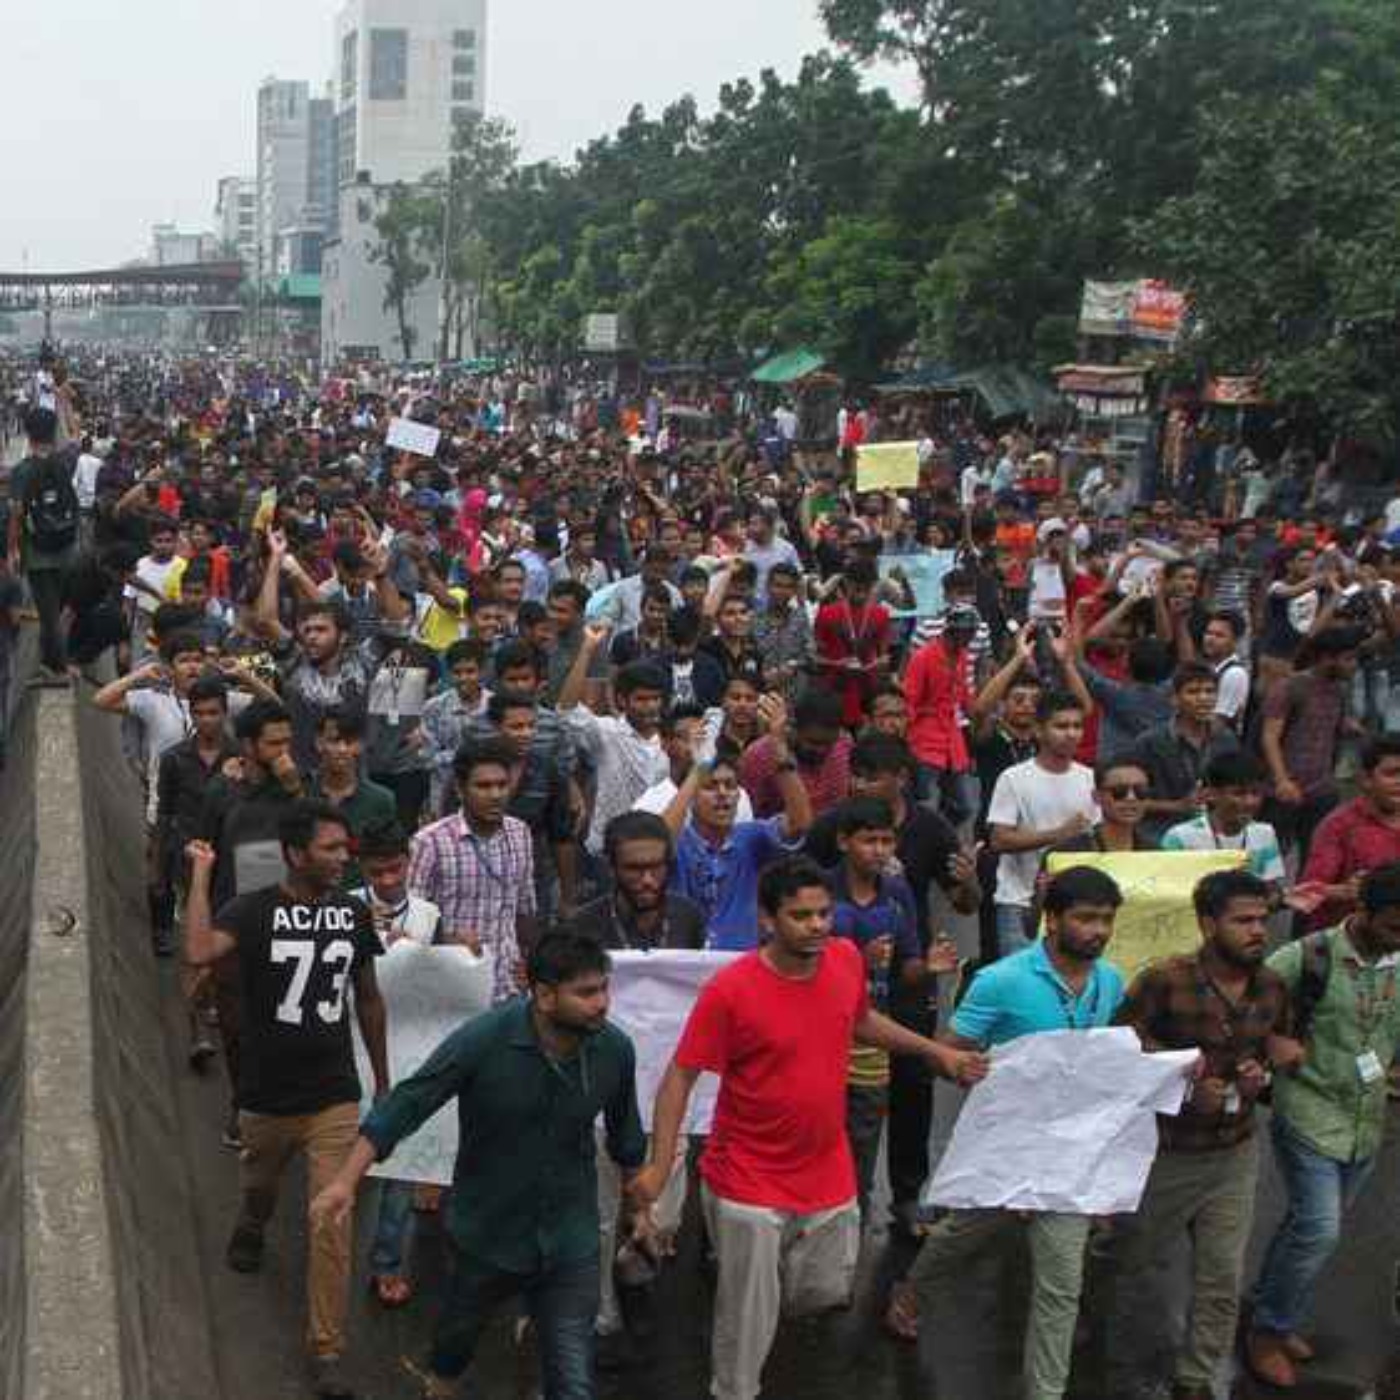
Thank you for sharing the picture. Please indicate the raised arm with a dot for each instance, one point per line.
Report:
(204, 944)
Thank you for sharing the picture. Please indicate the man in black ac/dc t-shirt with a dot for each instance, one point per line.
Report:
(299, 945)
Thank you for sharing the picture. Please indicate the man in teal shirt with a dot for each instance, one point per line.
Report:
(1329, 1112)
(530, 1077)
(1057, 984)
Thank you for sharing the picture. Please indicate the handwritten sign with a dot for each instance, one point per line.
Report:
(418, 438)
(1157, 919)
(887, 466)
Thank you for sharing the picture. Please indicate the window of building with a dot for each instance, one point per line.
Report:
(464, 65)
(388, 65)
(349, 65)
(463, 91)
(345, 146)
(464, 38)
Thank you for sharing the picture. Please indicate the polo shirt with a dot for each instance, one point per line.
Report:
(723, 879)
(1258, 841)
(1023, 994)
(534, 1206)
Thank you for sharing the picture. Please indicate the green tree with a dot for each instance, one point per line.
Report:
(403, 250)
(1289, 245)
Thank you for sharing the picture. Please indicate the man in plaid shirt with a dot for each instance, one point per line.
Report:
(477, 866)
(1226, 1003)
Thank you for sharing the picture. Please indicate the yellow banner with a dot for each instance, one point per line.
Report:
(887, 466)
(1157, 919)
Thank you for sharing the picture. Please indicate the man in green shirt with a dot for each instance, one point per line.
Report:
(530, 1078)
(339, 781)
(1329, 1113)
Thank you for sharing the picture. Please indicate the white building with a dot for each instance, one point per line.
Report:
(296, 154)
(171, 248)
(406, 69)
(236, 218)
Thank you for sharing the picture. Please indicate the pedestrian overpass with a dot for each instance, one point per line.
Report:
(211, 288)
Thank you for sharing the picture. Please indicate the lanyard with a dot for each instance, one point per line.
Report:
(1069, 1004)
(496, 874)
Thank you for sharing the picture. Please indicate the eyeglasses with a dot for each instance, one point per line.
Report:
(1120, 791)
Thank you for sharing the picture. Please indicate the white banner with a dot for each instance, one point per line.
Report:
(652, 994)
(1066, 1121)
(418, 438)
(428, 993)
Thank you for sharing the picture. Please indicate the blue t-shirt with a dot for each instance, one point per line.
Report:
(723, 880)
(890, 914)
(1023, 994)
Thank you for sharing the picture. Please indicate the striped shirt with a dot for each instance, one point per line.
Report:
(625, 762)
(482, 885)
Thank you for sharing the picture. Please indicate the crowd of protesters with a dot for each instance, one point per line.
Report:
(575, 683)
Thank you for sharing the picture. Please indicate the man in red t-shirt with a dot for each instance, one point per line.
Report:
(779, 1185)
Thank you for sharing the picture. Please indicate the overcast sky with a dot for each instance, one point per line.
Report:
(117, 116)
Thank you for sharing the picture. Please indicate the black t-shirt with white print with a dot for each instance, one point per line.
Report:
(295, 962)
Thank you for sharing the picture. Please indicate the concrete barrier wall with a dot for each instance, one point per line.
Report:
(163, 1307)
(17, 846)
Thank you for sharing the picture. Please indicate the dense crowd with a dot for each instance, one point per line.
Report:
(578, 681)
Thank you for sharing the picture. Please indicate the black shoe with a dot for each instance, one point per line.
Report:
(245, 1248)
(231, 1137)
(328, 1378)
(201, 1052)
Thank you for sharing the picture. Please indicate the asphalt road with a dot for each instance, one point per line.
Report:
(969, 1352)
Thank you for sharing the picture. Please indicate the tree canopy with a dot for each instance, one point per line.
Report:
(1244, 148)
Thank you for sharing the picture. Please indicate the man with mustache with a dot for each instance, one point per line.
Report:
(1223, 1001)
(530, 1078)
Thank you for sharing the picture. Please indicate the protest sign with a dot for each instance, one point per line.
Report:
(651, 997)
(428, 993)
(924, 572)
(1157, 919)
(887, 466)
(1065, 1121)
(418, 438)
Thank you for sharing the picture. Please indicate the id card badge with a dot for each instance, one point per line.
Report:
(1369, 1067)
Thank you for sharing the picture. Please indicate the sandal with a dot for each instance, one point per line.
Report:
(392, 1290)
(902, 1313)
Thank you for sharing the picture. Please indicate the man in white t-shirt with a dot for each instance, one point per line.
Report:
(150, 583)
(1035, 805)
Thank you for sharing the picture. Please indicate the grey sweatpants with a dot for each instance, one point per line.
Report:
(771, 1262)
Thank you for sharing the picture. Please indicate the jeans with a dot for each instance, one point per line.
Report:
(393, 1230)
(1011, 929)
(562, 1301)
(46, 586)
(1320, 1190)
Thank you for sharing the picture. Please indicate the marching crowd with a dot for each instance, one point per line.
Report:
(565, 683)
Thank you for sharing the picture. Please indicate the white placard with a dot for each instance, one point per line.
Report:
(1065, 1121)
(428, 993)
(407, 436)
(652, 995)
(398, 691)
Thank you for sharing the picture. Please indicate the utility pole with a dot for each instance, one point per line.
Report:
(442, 327)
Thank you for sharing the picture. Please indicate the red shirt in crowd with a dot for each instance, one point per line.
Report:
(826, 785)
(782, 1048)
(842, 633)
(1350, 840)
(937, 693)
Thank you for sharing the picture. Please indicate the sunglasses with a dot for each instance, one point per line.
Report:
(1120, 791)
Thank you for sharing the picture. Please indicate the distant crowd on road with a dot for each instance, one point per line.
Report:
(562, 681)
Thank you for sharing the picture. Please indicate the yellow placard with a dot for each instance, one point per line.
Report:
(1157, 919)
(887, 466)
(267, 506)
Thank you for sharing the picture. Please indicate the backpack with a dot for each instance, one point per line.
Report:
(49, 507)
(1312, 982)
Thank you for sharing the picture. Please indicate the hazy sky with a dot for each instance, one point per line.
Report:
(115, 116)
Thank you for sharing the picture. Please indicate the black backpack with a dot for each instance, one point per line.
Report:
(49, 506)
(1313, 976)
